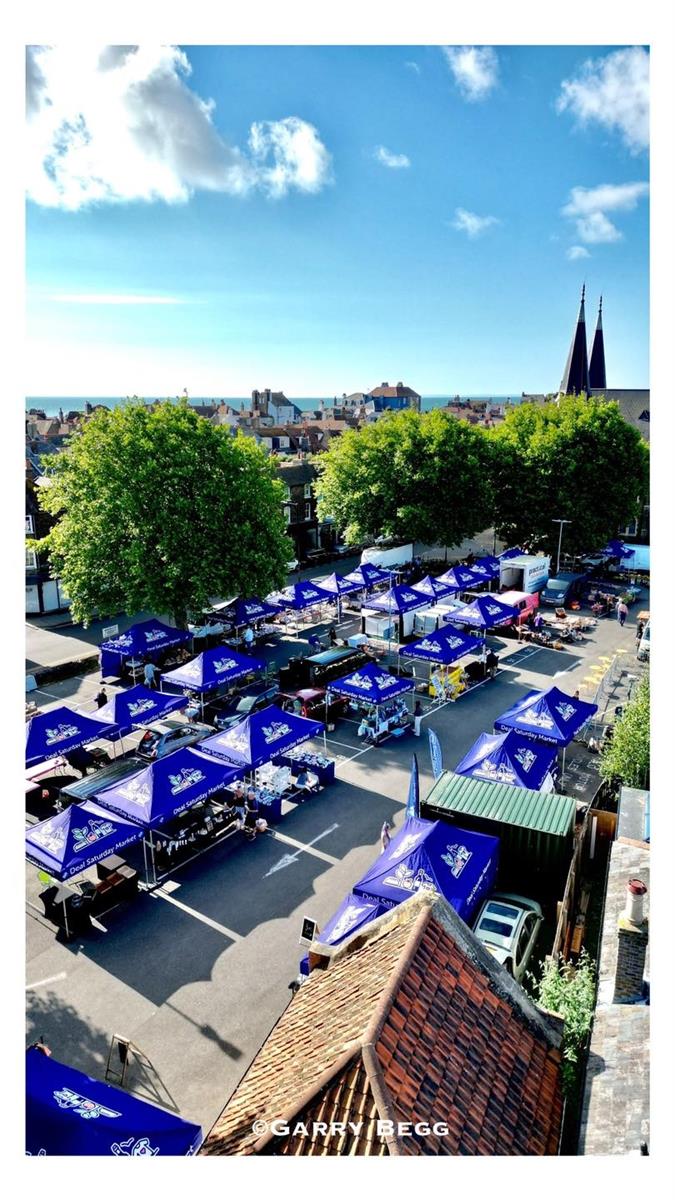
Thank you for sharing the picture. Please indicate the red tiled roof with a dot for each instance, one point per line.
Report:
(411, 1021)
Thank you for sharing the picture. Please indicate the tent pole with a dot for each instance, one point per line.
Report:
(145, 861)
(65, 919)
(562, 774)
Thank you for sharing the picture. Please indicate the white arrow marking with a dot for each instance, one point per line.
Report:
(303, 848)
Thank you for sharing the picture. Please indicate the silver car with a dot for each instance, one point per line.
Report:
(163, 737)
(508, 926)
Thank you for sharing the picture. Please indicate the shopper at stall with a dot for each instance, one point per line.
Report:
(149, 672)
(101, 698)
(491, 664)
(332, 636)
(248, 637)
(622, 612)
(385, 835)
(306, 781)
(251, 813)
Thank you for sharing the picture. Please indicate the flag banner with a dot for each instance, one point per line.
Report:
(436, 754)
(413, 805)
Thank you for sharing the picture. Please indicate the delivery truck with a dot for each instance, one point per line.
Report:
(526, 573)
(565, 587)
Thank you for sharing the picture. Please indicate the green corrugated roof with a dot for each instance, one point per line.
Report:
(543, 812)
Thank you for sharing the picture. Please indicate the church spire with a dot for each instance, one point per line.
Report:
(596, 373)
(575, 376)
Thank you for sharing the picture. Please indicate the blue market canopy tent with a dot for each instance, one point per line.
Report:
(354, 912)
(212, 668)
(551, 716)
(509, 758)
(489, 563)
(166, 788)
(617, 549)
(514, 552)
(65, 845)
(367, 575)
(138, 706)
(302, 595)
(147, 639)
(60, 730)
(484, 613)
(246, 612)
(434, 588)
(339, 585)
(399, 599)
(371, 684)
(444, 646)
(69, 1113)
(260, 738)
(460, 578)
(459, 864)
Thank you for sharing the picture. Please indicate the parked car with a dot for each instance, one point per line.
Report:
(164, 737)
(643, 648)
(527, 604)
(230, 712)
(312, 703)
(508, 926)
(565, 587)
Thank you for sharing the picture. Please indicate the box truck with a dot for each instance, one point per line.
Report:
(526, 573)
(390, 556)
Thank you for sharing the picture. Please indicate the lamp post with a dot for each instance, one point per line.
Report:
(560, 521)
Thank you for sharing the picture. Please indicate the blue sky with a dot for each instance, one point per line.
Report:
(335, 218)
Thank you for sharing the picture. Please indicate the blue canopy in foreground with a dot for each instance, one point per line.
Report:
(367, 575)
(434, 588)
(302, 595)
(485, 612)
(509, 758)
(212, 668)
(146, 639)
(166, 787)
(489, 563)
(444, 646)
(60, 730)
(245, 612)
(339, 585)
(399, 599)
(138, 706)
(371, 684)
(551, 716)
(65, 845)
(260, 738)
(460, 865)
(69, 1113)
(460, 578)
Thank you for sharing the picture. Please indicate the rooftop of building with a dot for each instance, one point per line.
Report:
(409, 1020)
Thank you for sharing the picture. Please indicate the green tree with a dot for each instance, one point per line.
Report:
(626, 757)
(576, 459)
(158, 509)
(569, 991)
(424, 477)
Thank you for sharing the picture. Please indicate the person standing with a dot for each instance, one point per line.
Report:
(385, 835)
(248, 637)
(417, 717)
(149, 672)
(622, 612)
(639, 631)
(101, 698)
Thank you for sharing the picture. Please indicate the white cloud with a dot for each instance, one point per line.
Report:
(111, 298)
(387, 159)
(588, 207)
(575, 252)
(613, 92)
(471, 224)
(475, 69)
(413, 66)
(119, 123)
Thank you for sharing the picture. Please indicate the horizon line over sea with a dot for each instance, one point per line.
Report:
(50, 404)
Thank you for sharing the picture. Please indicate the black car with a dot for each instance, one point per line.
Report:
(223, 714)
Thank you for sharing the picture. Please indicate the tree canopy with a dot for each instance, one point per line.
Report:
(626, 756)
(576, 459)
(420, 476)
(157, 509)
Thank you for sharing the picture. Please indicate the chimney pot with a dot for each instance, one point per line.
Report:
(635, 893)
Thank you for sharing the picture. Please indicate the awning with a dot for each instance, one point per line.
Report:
(444, 646)
(146, 639)
(60, 730)
(302, 595)
(435, 588)
(213, 668)
(69, 843)
(367, 575)
(485, 612)
(167, 787)
(339, 585)
(260, 738)
(246, 612)
(69, 1113)
(551, 716)
(508, 758)
(371, 684)
(399, 599)
(460, 579)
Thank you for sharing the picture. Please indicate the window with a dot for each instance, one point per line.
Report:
(30, 525)
(287, 513)
(31, 560)
(307, 492)
(308, 512)
(287, 492)
(525, 935)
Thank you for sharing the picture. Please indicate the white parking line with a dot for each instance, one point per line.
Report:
(30, 987)
(192, 912)
(305, 847)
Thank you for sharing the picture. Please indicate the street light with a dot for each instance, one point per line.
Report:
(560, 521)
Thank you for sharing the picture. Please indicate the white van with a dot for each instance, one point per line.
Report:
(643, 648)
(392, 556)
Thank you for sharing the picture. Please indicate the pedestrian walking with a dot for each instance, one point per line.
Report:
(149, 672)
(417, 717)
(622, 612)
(385, 835)
(101, 698)
(639, 631)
